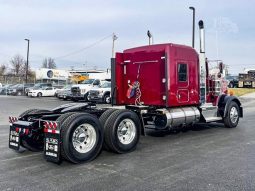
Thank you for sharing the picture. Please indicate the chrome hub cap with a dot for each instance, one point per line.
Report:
(84, 138)
(108, 100)
(233, 115)
(126, 131)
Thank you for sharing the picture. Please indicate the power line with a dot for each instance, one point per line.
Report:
(85, 48)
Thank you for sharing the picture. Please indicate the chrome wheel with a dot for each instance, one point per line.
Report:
(84, 138)
(126, 131)
(233, 115)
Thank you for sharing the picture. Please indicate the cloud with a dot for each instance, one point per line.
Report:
(59, 27)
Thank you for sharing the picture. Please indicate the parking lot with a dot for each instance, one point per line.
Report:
(207, 157)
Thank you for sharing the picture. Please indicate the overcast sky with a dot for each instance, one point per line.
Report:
(78, 33)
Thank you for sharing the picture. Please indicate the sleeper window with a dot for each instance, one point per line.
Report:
(182, 72)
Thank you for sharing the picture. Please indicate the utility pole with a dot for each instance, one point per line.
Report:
(114, 38)
(193, 26)
(27, 57)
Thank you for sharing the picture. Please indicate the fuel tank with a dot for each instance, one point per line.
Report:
(176, 117)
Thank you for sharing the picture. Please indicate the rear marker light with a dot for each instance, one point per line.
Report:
(22, 130)
(51, 127)
(12, 119)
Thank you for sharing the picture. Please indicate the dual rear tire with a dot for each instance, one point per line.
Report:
(122, 130)
(82, 134)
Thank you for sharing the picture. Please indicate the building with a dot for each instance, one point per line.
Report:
(61, 77)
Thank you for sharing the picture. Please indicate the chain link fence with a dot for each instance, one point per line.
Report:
(7, 79)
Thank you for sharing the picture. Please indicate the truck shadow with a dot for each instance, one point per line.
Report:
(197, 127)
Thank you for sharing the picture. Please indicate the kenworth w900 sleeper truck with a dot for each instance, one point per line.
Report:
(161, 87)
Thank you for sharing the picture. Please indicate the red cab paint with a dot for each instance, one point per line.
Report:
(167, 73)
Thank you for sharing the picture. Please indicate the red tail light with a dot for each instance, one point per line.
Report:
(12, 119)
(51, 127)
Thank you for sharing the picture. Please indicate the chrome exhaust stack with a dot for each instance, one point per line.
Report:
(202, 36)
(202, 63)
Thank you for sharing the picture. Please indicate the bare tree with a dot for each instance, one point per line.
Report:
(3, 69)
(49, 63)
(18, 65)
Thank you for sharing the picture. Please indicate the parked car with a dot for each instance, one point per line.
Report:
(101, 93)
(19, 89)
(38, 86)
(46, 91)
(65, 95)
(232, 81)
(81, 91)
(10, 89)
(65, 88)
(3, 90)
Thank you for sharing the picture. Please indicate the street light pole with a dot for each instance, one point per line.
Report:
(150, 37)
(114, 38)
(193, 26)
(27, 57)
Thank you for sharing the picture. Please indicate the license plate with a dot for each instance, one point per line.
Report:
(14, 139)
(52, 147)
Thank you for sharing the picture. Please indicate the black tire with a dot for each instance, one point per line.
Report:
(63, 117)
(21, 116)
(31, 111)
(111, 129)
(229, 121)
(107, 99)
(86, 96)
(103, 118)
(39, 94)
(69, 126)
(61, 121)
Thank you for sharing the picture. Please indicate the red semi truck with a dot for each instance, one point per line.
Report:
(161, 87)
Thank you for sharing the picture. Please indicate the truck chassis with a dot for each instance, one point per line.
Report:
(77, 132)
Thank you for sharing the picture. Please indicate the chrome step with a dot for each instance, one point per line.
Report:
(208, 106)
(213, 119)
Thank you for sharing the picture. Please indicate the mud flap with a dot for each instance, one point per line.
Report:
(18, 129)
(52, 147)
(14, 138)
(52, 150)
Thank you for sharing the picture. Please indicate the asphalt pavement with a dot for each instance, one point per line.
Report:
(207, 157)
